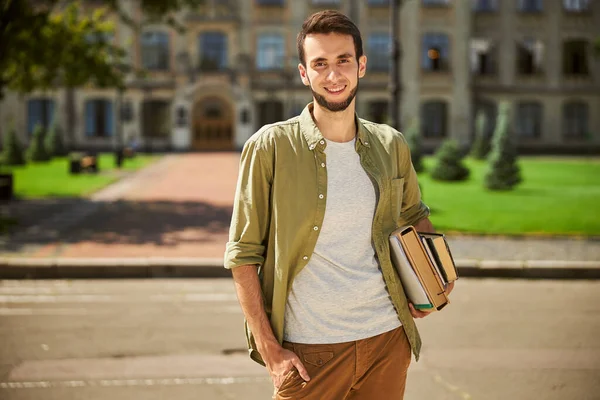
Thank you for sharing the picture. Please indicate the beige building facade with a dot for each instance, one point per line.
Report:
(234, 69)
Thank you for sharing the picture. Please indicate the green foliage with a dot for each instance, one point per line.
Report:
(36, 150)
(413, 137)
(503, 171)
(449, 165)
(48, 45)
(54, 143)
(55, 42)
(481, 145)
(12, 153)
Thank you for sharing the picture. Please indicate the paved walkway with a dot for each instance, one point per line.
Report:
(180, 207)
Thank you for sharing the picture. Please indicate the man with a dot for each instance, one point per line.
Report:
(317, 198)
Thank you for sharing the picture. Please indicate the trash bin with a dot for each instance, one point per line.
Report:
(75, 163)
(6, 186)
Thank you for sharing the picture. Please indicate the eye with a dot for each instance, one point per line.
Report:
(319, 64)
(344, 61)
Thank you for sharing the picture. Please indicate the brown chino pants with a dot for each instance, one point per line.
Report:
(368, 369)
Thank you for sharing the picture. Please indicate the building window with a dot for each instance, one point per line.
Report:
(213, 51)
(485, 5)
(378, 111)
(435, 3)
(529, 120)
(528, 6)
(576, 5)
(575, 120)
(269, 112)
(270, 51)
(435, 52)
(378, 3)
(434, 116)
(155, 51)
(575, 60)
(39, 111)
(270, 2)
(156, 118)
(530, 56)
(378, 51)
(99, 118)
(483, 57)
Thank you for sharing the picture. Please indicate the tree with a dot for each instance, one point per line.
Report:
(449, 166)
(54, 143)
(503, 171)
(481, 145)
(36, 150)
(49, 43)
(12, 153)
(47, 46)
(413, 137)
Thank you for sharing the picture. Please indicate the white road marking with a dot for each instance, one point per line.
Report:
(7, 312)
(134, 382)
(99, 298)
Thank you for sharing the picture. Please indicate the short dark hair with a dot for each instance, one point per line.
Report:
(329, 21)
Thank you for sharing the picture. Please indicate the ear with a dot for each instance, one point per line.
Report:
(362, 66)
(303, 74)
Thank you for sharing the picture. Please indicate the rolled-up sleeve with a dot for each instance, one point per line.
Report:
(251, 208)
(413, 209)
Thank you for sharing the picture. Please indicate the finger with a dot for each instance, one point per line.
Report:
(416, 313)
(300, 367)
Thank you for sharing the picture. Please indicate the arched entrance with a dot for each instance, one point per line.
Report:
(212, 127)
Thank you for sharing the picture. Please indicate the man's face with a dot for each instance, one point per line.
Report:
(332, 70)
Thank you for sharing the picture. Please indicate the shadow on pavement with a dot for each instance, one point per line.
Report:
(163, 223)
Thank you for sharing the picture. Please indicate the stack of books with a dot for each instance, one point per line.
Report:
(425, 266)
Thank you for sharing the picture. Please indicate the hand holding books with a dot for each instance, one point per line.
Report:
(425, 267)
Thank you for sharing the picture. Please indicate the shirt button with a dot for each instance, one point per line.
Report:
(322, 142)
(321, 196)
(323, 164)
(366, 143)
(316, 228)
(312, 146)
(305, 258)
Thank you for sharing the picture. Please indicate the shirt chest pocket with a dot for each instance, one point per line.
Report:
(396, 195)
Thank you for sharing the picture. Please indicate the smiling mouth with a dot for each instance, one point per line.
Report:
(335, 90)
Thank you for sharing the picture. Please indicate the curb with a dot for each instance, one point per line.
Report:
(156, 267)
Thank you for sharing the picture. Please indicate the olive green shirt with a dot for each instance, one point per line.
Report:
(278, 212)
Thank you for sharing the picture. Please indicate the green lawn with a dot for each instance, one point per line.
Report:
(557, 196)
(52, 179)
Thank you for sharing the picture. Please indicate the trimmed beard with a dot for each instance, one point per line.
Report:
(333, 106)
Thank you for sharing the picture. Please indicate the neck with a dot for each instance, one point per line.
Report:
(335, 126)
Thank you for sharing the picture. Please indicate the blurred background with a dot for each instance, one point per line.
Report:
(121, 123)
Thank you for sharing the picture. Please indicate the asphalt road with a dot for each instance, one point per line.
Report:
(183, 339)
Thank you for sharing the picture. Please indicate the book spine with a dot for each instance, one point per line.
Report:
(416, 253)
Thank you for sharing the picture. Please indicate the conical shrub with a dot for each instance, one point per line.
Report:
(36, 150)
(413, 138)
(481, 146)
(503, 171)
(12, 153)
(449, 165)
(54, 144)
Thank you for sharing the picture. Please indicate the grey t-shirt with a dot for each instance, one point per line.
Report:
(340, 295)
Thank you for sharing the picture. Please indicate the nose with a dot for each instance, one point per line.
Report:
(333, 74)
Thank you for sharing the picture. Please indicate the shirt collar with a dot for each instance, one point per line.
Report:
(315, 138)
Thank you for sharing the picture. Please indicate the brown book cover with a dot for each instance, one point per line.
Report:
(442, 251)
(419, 259)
